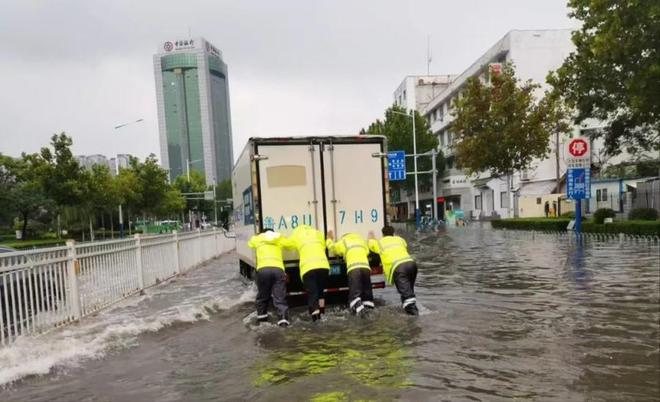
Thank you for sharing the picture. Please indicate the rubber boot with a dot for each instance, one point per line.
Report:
(411, 309)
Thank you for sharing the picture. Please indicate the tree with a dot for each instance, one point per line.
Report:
(614, 73)
(152, 184)
(397, 128)
(196, 184)
(22, 193)
(101, 195)
(223, 192)
(501, 128)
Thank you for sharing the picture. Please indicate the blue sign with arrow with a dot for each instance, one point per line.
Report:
(396, 165)
(578, 183)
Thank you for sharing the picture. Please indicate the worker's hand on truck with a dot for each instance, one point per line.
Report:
(371, 235)
(331, 235)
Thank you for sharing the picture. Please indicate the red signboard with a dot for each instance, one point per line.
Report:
(440, 199)
(578, 147)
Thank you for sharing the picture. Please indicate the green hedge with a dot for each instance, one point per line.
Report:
(548, 224)
(602, 213)
(649, 228)
(643, 214)
(30, 244)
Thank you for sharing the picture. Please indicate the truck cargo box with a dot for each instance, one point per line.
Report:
(330, 183)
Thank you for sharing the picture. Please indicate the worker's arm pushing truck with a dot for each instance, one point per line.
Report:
(330, 183)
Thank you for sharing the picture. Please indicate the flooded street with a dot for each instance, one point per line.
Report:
(504, 316)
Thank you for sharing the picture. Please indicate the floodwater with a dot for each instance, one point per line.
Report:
(505, 315)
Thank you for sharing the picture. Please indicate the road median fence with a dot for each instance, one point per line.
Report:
(50, 287)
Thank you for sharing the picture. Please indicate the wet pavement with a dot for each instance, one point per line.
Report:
(505, 315)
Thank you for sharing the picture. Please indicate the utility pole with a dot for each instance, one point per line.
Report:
(417, 212)
(434, 153)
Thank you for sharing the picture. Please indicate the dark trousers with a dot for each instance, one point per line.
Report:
(314, 282)
(271, 283)
(404, 279)
(359, 287)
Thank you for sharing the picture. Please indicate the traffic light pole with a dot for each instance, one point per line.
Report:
(433, 154)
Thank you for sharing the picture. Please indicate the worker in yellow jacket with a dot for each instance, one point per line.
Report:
(398, 266)
(271, 278)
(355, 251)
(314, 266)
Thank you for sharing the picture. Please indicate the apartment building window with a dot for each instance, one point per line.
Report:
(449, 138)
(404, 94)
(601, 194)
(442, 139)
(504, 200)
(477, 202)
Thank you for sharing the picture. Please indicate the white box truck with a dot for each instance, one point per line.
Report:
(330, 183)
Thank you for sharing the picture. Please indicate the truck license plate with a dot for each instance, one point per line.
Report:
(335, 270)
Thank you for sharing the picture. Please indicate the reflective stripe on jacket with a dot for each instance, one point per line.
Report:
(311, 248)
(393, 252)
(268, 247)
(354, 249)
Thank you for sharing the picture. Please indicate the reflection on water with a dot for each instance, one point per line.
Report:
(349, 356)
(505, 316)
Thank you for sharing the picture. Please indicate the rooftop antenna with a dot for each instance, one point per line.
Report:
(429, 57)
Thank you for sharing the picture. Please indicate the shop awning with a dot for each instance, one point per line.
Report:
(543, 187)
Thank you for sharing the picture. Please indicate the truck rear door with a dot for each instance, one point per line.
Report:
(354, 191)
(290, 186)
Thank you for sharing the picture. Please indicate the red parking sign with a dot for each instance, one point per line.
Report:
(578, 147)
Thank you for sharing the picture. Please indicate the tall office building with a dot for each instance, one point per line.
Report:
(193, 109)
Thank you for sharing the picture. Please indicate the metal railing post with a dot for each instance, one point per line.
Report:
(138, 258)
(177, 258)
(72, 275)
(215, 241)
(199, 247)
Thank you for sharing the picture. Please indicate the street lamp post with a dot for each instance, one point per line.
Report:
(121, 215)
(417, 212)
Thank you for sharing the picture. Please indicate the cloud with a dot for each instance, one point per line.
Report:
(295, 67)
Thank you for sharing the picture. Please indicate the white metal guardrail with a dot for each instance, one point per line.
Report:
(46, 288)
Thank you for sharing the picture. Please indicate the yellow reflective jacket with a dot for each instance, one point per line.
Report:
(393, 252)
(311, 248)
(353, 248)
(268, 247)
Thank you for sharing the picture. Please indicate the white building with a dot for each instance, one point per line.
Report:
(416, 91)
(534, 54)
(114, 164)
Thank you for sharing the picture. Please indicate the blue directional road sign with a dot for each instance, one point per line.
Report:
(396, 165)
(579, 183)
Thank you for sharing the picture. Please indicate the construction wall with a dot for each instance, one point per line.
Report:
(533, 206)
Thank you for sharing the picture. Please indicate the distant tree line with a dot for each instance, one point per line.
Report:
(49, 190)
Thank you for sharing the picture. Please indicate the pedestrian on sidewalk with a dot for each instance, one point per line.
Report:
(398, 266)
(271, 278)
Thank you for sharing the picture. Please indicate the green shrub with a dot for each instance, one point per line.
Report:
(541, 224)
(646, 228)
(643, 214)
(571, 215)
(602, 213)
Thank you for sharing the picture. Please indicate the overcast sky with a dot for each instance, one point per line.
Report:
(295, 67)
